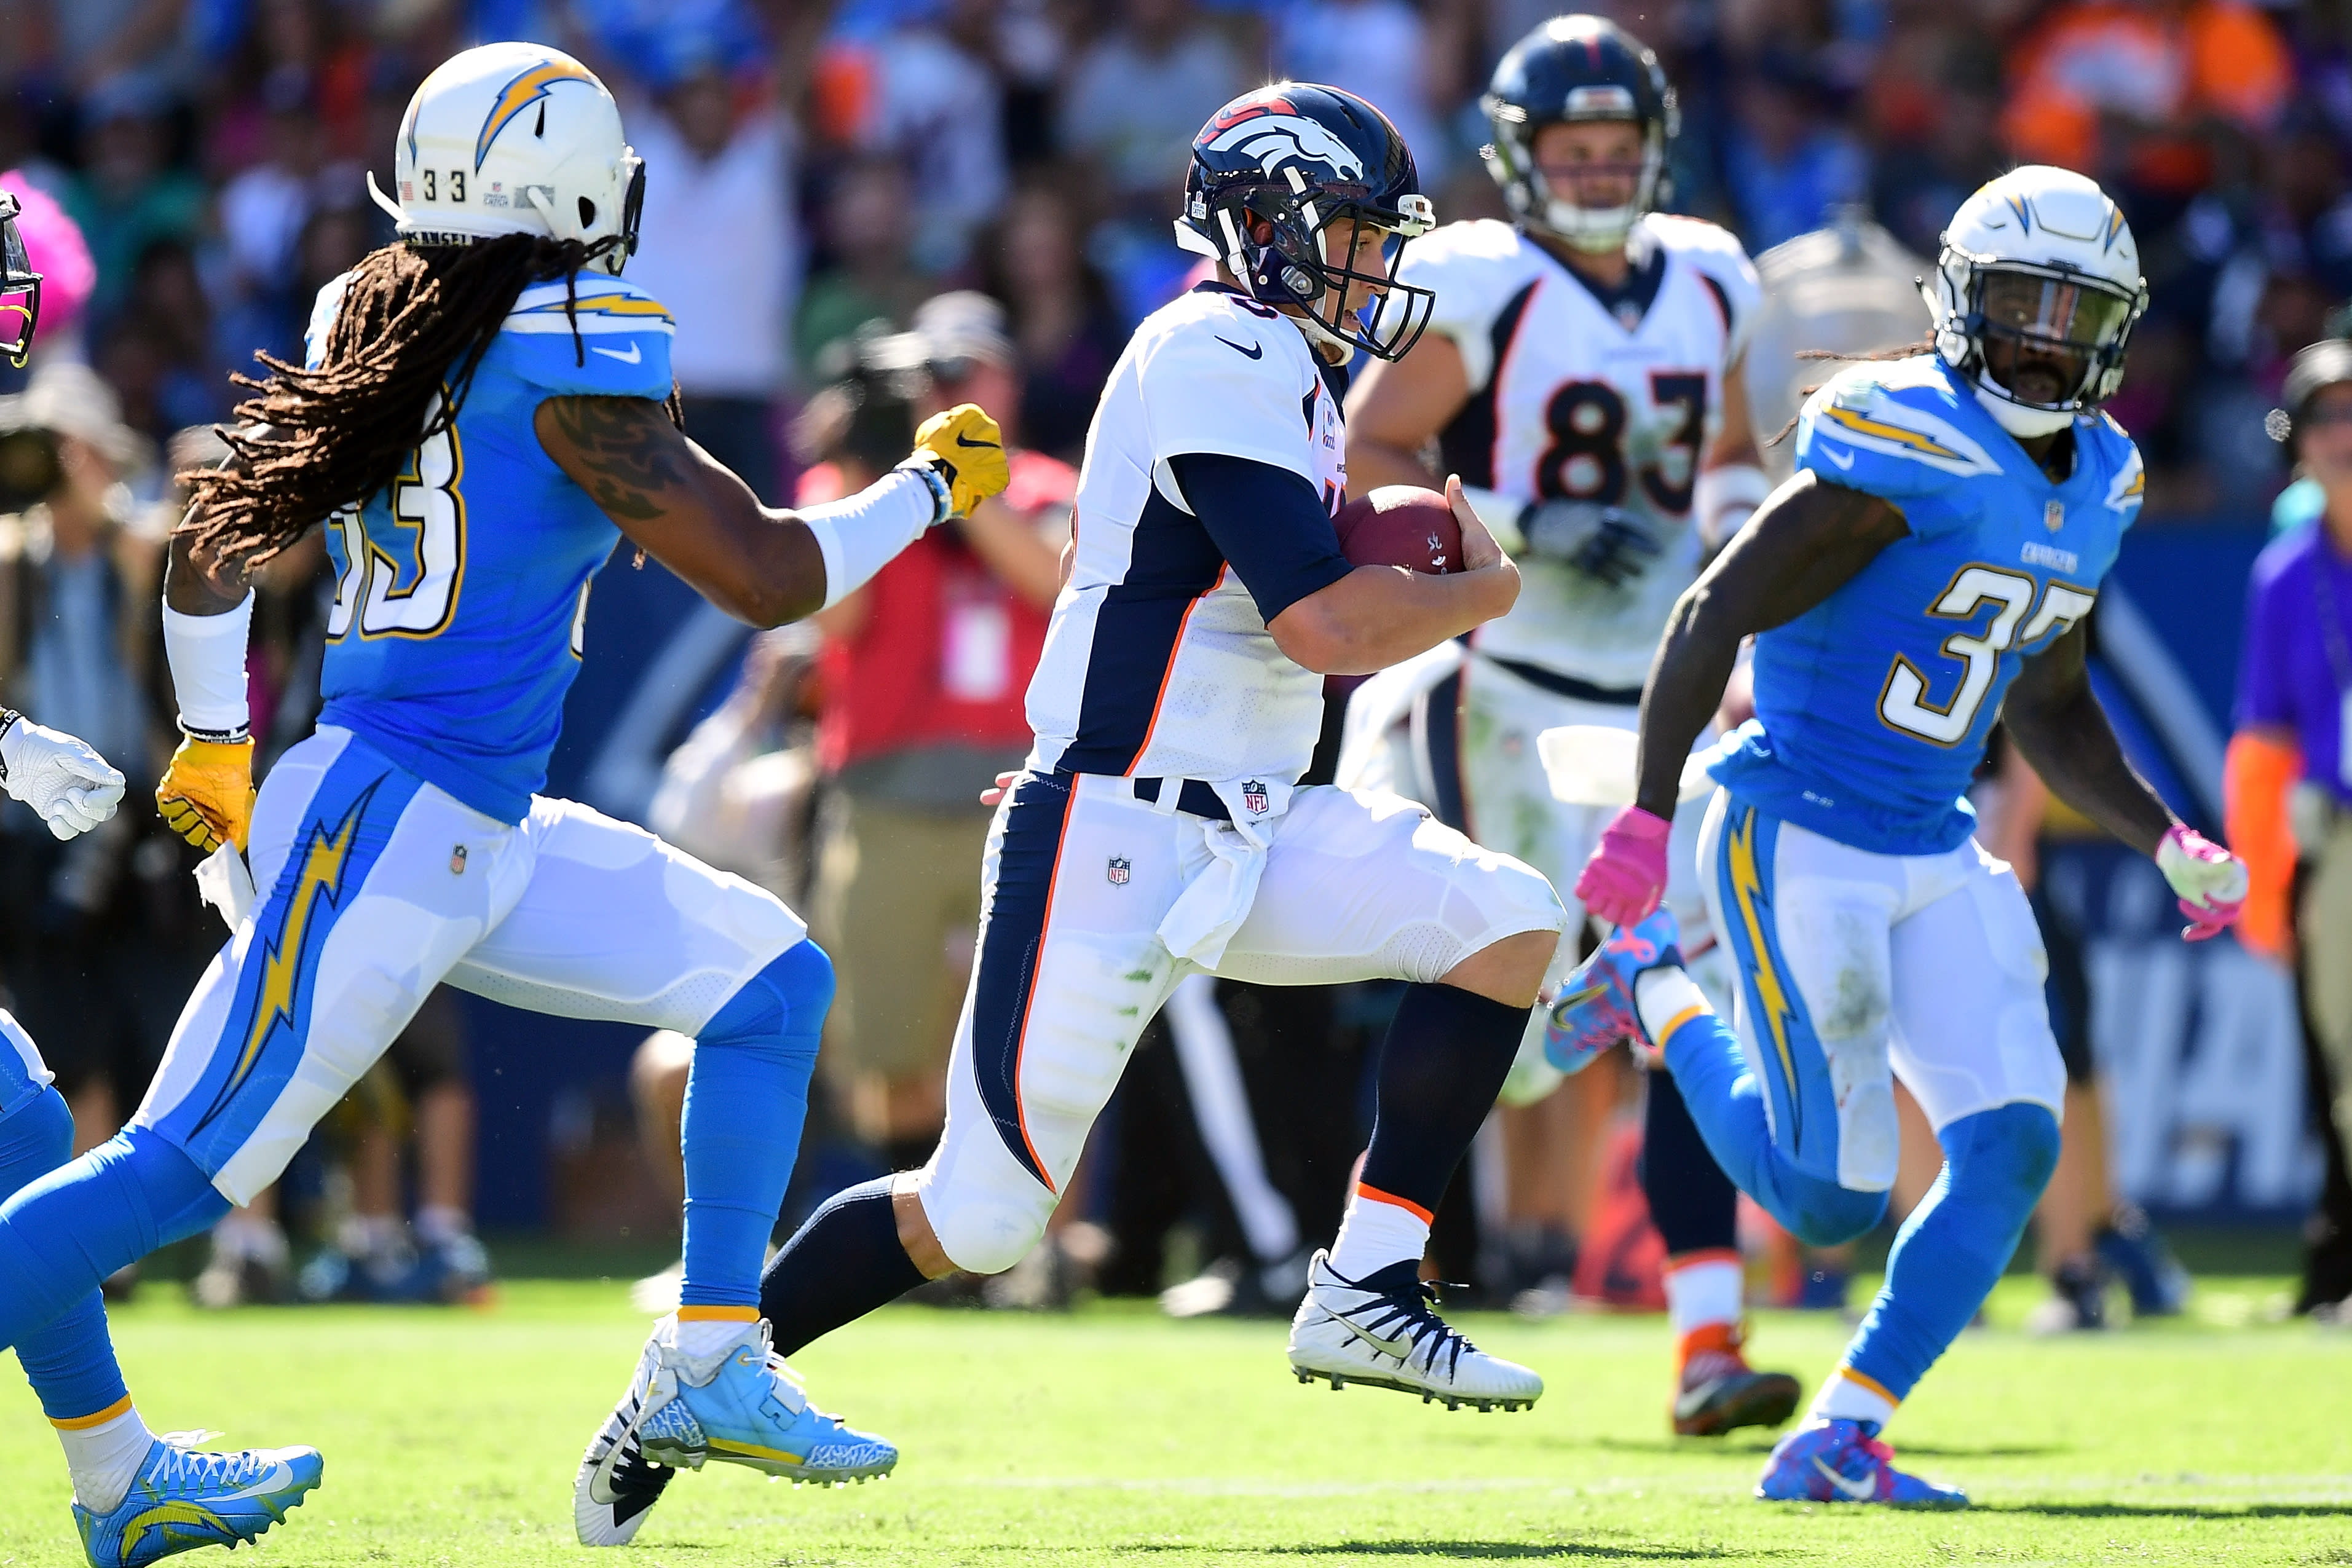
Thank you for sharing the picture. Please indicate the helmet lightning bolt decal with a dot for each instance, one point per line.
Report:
(1773, 1001)
(520, 94)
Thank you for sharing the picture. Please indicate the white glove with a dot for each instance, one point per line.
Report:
(2210, 882)
(69, 785)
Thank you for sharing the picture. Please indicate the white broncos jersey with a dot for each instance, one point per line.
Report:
(1158, 664)
(1609, 402)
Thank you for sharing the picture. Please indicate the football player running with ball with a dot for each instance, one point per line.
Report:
(1582, 372)
(481, 418)
(1156, 830)
(1929, 567)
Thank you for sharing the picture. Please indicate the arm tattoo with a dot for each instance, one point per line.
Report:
(628, 449)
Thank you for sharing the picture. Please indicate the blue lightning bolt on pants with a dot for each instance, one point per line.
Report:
(1855, 967)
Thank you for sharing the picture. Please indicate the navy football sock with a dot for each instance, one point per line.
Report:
(746, 1098)
(70, 1364)
(72, 1228)
(1954, 1246)
(1447, 1053)
(1692, 1202)
(843, 1264)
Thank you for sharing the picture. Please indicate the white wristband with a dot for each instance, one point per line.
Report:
(1722, 499)
(860, 535)
(206, 654)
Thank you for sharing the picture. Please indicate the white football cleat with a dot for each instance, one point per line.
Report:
(1384, 1331)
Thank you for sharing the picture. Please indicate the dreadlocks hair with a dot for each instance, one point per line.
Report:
(414, 323)
(1908, 351)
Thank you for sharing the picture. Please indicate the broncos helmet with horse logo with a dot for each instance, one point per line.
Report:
(1276, 169)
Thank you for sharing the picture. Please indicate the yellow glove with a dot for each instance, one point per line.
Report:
(206, 794)
(967, 450)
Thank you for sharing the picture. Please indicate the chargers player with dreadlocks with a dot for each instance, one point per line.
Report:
(1929, 568)
(480, 418)
(1583, 373)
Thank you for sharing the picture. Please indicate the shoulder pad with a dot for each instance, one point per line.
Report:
(323, 320)
(2128, 480)
(599, 304)
(1902, 409)
(622, 349)
(1695, 236)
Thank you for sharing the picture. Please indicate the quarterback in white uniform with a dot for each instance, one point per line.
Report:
(1156, 830)
(1582, 374)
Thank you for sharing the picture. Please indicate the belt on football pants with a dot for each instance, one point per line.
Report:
(1194, 797)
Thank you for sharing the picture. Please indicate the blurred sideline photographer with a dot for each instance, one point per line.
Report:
(924, 673)
(2289, 781)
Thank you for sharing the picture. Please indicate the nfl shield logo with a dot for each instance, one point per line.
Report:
(1121, 868)
(2053, 516)
(1253, 797)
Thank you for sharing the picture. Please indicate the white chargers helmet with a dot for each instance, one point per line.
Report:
(515, 138)
(2035, 296)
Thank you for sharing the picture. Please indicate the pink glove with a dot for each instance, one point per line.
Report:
(2210, 882)
(1627, 874)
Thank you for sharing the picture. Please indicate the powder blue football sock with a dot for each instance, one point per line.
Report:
(72, 1228)
(70, 1364)
(1727, 1104)
(1956, 1244)
(745, 1100)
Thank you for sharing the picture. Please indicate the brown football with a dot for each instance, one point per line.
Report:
(1401, 524)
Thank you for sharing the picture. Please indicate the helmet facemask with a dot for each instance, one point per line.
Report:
(1295, 248)
(20, 286)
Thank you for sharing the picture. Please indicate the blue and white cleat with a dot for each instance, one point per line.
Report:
(1845, 1461)
(739, 1405)
(184, 1497)
(1594, 1009)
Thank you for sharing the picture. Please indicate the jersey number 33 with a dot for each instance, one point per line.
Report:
(401, 559)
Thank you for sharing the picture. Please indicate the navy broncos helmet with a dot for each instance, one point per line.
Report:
(1578, 68)
(1276, 170)
(20, 286)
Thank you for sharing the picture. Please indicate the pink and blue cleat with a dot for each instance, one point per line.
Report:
(1845, 1461)
(1594, 1009)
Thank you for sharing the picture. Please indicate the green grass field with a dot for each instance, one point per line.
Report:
(1114, 1436)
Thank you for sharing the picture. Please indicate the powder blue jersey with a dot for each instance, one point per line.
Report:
(462, 588)
(1871, 709)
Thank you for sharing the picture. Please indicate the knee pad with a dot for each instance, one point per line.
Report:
(986, 1233)
(180, 1199)
(1823, 1214)
(790, 997)
(2004, 1156)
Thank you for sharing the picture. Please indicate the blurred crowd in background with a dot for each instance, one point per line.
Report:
(860, 210)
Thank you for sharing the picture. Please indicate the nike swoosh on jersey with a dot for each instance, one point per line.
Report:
(635, 354)
(1254, 351)
(962, 440)
(1864, 1490)
(1843, 460)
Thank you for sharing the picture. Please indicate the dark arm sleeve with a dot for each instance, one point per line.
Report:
(1268, 523)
